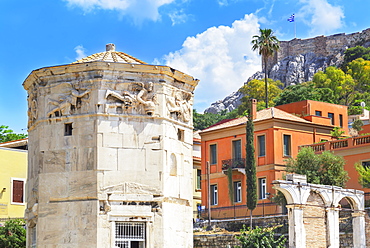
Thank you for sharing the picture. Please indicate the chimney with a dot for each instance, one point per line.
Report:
(254, 108)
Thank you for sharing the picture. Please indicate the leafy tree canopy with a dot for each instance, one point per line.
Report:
(13, 234)
(260, 237)
(202, 121)
(304, 91)
(255, 89)
(354, 53)
(364, 175)
(325, 168)
(7, 134)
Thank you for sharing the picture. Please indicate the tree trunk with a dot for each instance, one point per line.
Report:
(266, 86)
(250, 220)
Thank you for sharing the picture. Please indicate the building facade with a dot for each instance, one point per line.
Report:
(13, 175)
(110, 144)
(279, 132)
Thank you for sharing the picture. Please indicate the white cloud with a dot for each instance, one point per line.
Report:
(221, 57)
(80, 51)
(178, 17)
(139, 10)
(323, 17)
(223, 2)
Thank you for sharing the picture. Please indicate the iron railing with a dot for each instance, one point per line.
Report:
(233, 163)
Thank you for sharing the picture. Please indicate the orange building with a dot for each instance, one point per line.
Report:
(353, 150)
(279, 132)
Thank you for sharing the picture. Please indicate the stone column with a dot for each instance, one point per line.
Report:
(332, 220)
(359, 235)
(297, 233)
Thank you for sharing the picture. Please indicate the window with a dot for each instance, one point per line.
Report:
(286, 145)
(68, 129)
(318, 113)
(129, 235)
(17, 191)
(237, 149)
(180, 134)
(341, 120)
(331, 116)
(214, 196)
(366, 164)
(213, 149)
(199, 177)
(262, 188)
(237, 192)
(261, 146)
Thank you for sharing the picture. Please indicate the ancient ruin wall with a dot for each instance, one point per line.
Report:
(321, 45)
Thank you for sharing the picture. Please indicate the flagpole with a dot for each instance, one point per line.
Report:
(295, 30)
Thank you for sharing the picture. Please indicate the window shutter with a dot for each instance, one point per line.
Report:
(18, 191)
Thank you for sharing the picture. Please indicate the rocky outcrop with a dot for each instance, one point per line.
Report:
(290, 70)
(299, 59)
(229, 103)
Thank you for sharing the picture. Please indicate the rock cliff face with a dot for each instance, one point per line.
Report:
(290, 70)
(298, 60)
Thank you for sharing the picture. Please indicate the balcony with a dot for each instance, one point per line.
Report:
(235, 163)
(342, 144)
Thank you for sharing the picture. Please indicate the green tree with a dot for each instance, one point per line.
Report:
(304, 91)
(7, 134)
(357, 125)
(255, 89)
(341, 84)
(337, 132)
(266, 44)
(260, 238)
(250, 167)
(325, 168)
(13, 234)
(354, 53)
(364, 175)
(202, 121)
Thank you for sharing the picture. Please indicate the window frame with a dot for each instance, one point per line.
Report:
(12, 179)
(289, 154)
(211, 156)
(198, 183)
(262, 185)
(341, 120)
(259, 145)
(214, 194)
(234, 148)
(318, 113)
(331, 116)
(129, 239)
(237, 186)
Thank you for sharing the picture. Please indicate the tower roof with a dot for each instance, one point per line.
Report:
(110, 55)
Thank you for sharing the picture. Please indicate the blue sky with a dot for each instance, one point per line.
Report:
(208, 39)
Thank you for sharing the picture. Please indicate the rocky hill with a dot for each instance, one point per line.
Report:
(298, 60)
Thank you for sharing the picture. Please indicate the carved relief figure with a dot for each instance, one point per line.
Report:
(32, 107)
(179, 106)
(67, 103)
(144, 97)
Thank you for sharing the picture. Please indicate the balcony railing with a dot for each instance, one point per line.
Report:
(235, 163)
(339, 144)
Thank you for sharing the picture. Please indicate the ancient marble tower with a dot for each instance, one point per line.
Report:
(110, 154)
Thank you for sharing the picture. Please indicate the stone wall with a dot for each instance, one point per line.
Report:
(215, 240)
(314, 221)
(321, 45)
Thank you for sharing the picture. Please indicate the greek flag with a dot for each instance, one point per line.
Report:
(291, 18)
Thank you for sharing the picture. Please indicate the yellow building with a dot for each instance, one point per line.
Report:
(196, 174)
(13, 174)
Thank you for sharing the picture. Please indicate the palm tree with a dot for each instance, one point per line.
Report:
(266, 43)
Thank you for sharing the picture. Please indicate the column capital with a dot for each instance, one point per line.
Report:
(296, 206)
(358, 214)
